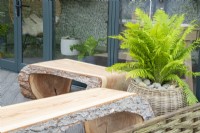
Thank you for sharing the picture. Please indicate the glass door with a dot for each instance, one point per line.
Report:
(32, 31)
(21, 33)
(127, 15)
(83, 24)
(7, 47)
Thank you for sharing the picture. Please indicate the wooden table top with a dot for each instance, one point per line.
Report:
(29, 113)
(75, 67)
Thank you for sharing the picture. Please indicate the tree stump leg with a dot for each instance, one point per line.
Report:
(112, 123)
(46, 85)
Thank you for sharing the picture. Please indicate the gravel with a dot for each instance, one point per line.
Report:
(147, 83)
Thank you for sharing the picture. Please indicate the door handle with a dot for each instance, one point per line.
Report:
(19, 7)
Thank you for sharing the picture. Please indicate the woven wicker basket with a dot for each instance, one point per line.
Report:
(162, 101)
(186, 120)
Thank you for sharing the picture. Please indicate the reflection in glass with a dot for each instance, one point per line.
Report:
(32, 31)
(6, 32)
(127, 15)
(77, 23)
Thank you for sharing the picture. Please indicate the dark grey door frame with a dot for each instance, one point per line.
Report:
(198, 80)
(18, 33)
(47, 33)
(113, 29)
(48, 28)
(17, 64)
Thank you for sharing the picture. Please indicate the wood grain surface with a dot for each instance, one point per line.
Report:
(29, 113)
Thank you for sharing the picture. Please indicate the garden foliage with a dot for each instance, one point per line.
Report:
(158, 49)
(86, 48)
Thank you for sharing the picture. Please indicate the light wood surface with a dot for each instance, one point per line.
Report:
(26, 114)
(112, 123)
(75, 67)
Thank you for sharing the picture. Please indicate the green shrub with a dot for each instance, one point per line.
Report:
(3, 29)
(86, 48)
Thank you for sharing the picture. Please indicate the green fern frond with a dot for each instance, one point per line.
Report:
(149, 41)
(175, 21)
(144, 19)
(136, 57)
(131, 25)
(196, 74)
(160, 17)
(160, 60)
(175, 31)
(119, 67)
(172, 66)
(185, 52)
(143, 73)
(124, 67)
(187, 31)
(191, 99)
(181, 42)
(190, 73)
(119, 37)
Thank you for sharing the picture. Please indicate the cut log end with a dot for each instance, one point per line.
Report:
(112, 123)
(46, 85)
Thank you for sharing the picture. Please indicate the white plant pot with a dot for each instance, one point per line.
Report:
(65, 46)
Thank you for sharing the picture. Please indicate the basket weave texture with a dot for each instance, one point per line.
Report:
(161, 101)
(186, 120)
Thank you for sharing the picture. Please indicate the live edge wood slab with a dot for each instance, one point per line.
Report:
(58, 113)
(52, 78)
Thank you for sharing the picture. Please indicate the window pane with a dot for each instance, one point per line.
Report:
(32, 31)
(6, 32)
(127, 15)
(80, 21)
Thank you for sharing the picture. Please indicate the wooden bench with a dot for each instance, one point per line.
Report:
(59, 113)
(54, 77)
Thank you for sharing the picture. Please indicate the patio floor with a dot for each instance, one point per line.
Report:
(9, 89)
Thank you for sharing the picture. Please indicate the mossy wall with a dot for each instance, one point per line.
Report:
(191, 9)
(4, 13)
(81, 19)
(128, 7)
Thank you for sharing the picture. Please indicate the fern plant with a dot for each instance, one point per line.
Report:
(158, 49)
(86, 48)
